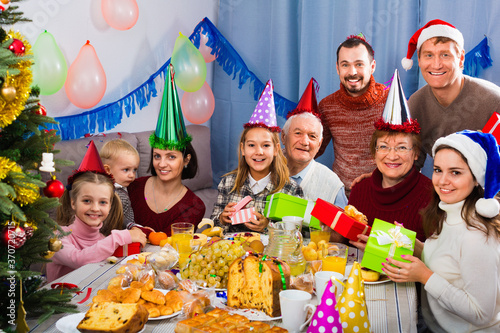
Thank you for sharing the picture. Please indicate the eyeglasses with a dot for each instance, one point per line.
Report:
(401, 150)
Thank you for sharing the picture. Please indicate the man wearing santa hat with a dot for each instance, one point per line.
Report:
(349, 113)
(451, 101)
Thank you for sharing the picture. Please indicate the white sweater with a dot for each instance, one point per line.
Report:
(463, 294)
(321, 182)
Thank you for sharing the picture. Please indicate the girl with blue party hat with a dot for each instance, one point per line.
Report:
(459, 266)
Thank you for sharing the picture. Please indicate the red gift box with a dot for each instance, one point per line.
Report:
(335, 218)
(493, 126)
(127, 249)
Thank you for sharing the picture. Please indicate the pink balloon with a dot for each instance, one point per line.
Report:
(86, 81)
(204, 49)
(198, 106)
(120, 14)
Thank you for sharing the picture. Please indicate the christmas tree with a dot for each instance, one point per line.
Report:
(29, 235)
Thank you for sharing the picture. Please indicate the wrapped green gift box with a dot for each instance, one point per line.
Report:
(281, 204)
(387, 240)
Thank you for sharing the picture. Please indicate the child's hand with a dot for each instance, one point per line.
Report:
(225, 216)
(258, 224)
(138, 236)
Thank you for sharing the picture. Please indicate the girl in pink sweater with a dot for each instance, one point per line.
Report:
(95, 212)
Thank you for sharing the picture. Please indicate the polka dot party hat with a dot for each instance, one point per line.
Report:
(264, 114)
(351, 304)
(326, 318)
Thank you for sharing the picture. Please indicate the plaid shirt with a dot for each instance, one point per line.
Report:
(259, 200)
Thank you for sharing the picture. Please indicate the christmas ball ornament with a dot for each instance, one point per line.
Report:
(8, 93)
(29, 230)
(14, 236)
(4, 4)
(55, 244)
(54, 188)
(17, 47)
(48, 254)
(42, 110)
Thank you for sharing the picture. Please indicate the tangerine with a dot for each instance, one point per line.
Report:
(156, 237)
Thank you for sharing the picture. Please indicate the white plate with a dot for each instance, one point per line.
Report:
(384, 278)
(69, 323)
(164, 291)
(263, 238)
(253, 314)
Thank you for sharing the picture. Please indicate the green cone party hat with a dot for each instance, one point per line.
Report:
(170, 130)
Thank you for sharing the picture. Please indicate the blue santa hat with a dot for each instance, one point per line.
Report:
(483, 156)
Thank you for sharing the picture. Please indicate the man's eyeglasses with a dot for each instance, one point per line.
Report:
(401, 150)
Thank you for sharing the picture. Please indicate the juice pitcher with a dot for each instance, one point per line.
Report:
(285, 242)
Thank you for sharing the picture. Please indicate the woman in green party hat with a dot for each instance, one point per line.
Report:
(160, 200)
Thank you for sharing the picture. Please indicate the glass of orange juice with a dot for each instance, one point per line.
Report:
(335, 259)
(319, 234)
(182, 236)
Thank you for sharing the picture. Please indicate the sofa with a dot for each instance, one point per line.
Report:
(201, 184)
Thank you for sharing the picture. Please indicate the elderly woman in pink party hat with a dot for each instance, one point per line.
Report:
(262, 169)
(459, 265)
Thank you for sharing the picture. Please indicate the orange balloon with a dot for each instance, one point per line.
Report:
(120, 14)
(86, 82)
(198, 106)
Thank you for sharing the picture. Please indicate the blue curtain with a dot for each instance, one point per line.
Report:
(291, 41)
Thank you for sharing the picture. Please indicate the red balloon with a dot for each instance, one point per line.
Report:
(198, 106)
(54, 189)
(86, 82)
(204, 49)
(120, 14)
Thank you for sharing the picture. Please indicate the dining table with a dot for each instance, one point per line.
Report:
(392, 307)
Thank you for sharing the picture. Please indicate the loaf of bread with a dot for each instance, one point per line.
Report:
(255, 281)
(114, 318)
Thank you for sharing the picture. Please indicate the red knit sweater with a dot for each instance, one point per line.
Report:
(189, 209)
(400, 203)
(349, 122)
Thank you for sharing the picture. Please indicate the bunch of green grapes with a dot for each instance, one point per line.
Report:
(210, 265)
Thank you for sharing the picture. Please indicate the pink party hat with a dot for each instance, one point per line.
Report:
(326, 318)
(264, 114)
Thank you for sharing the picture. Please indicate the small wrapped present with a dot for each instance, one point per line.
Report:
(127, 249)
(387, 241)
(281, 204)
(493, 126)
(243, 215)
(338, 220)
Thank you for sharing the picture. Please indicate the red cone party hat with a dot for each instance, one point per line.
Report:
(91, 162)
(308, 101)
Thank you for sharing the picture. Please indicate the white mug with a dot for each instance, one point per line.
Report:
(321, 279)
(292, 220)
(294, 305)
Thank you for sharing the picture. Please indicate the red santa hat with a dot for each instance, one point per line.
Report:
(434, 28)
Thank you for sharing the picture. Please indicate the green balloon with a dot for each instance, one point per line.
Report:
(190, 67)
(50, 68)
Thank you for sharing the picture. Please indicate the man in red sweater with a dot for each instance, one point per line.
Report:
(349, 113)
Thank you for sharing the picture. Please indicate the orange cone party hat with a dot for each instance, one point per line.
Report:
(351, 304)
(91, 162)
